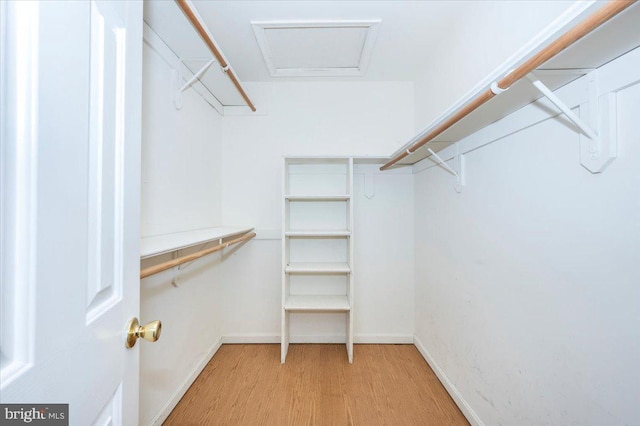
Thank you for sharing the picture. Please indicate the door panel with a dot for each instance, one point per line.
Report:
(106, 145)
(111, 414)
(78, 159)
(18, 121)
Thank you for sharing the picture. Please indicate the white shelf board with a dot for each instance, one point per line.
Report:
(317, 303)
(317, 160)
(317, 233)
(614, 38)
(153, 246)
(168, 21)
(317, 197)
(318, 268)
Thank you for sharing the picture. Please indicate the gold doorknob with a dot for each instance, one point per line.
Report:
(149, 332)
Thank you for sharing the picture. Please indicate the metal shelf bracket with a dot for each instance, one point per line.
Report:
(177, 86)
(459, 163)
(596, 123)
(369, 185)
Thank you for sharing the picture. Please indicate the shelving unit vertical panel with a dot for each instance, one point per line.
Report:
(350, 278)
(284, 323)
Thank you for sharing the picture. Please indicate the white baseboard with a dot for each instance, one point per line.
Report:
(234, 339)
(389, 339)
(179, 393)
(457, 397)
(384, 339)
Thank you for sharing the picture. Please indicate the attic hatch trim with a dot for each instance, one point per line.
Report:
(372, 26)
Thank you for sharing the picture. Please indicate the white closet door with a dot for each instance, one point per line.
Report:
(70, 167)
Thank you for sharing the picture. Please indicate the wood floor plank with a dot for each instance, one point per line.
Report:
(385, 385)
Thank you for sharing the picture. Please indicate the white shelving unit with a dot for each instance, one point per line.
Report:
(317, 241)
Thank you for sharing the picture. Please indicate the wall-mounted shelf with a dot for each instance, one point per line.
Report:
(154, 246)
(180, 27)
(486, 103)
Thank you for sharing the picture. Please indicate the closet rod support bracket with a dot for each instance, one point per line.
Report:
(177, 77)
(197, 75)
(496, 90)
(600, 111)
(459, 163)
(596, 123)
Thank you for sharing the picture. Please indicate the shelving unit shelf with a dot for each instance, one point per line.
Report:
(317, 304)
(317, 233)
(317, 241)
(318, 268)
(317, 197)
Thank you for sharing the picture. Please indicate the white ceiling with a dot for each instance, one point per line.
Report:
(415, 37)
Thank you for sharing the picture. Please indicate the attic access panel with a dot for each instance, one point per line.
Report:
(316, 49)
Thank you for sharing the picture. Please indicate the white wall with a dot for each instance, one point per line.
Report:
(481, 39)
(322, 119)
(202, 170)
(181, 190)
(181, 159)
(384, 256)
(358, 118)
(527, 294)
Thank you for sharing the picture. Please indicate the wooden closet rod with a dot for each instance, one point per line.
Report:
(188, 258)
(204, 34)
(593, 21)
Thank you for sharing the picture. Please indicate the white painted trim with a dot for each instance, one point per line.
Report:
(612, 77)
(179, 393)
(264, 338)
(153, 40)
(268, 338)
(455, 394)
(383, 339)
(372, 25)
(245, 111)
(259, 96)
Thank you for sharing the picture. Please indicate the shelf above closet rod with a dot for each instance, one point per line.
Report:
(193, 17)
(191, 257)
(167, 243)
(593, 21)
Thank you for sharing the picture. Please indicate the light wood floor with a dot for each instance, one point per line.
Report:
(385, 385)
